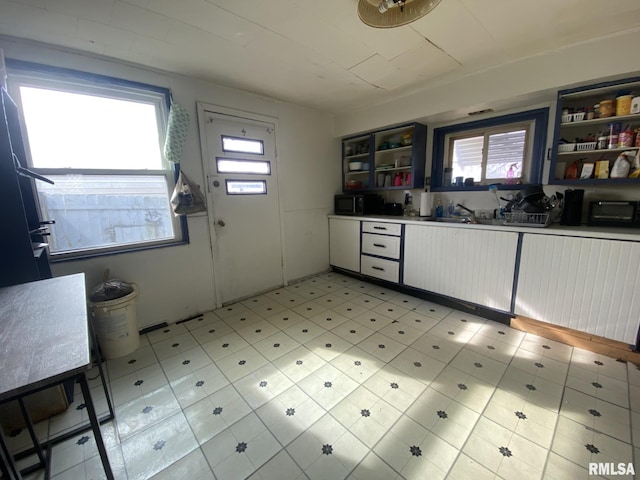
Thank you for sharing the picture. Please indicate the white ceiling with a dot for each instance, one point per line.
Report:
(316, 52)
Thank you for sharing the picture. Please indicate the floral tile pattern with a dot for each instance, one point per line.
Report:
(336, 378)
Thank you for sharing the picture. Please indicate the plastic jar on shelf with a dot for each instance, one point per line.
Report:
(623, 104)
(607, 108)
(625, 139)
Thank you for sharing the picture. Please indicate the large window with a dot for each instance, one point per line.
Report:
(505, 150)
(100, 141)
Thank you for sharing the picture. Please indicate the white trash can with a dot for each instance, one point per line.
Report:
(116, 325)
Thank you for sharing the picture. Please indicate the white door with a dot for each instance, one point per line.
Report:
(244, 210)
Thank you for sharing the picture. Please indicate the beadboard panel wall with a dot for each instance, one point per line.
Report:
(471, 265)
(588, 285)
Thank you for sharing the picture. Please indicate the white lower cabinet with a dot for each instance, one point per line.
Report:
(586, 284)
(381, 250)
(344, 243)
(471, 265)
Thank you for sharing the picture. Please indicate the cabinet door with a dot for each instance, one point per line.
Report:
(344, 243)
(585, 284)
(467, 264)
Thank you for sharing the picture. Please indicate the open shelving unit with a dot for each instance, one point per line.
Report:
(383, 156)
(586, 97)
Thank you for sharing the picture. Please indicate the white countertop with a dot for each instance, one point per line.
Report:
(607, 233)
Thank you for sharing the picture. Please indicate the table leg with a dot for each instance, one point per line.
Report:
(34, 438)
(95, 425)
(94, 339)
(9, 467)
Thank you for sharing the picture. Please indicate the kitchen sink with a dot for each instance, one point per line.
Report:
(477, 221)
(453, 219)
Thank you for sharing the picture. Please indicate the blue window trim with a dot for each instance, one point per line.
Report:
(68, 73)
(541, 117)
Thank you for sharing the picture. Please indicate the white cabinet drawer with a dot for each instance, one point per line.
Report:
(377, 267)
(381, 245)
(381, 227)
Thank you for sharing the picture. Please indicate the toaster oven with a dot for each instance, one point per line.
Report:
(614, 214)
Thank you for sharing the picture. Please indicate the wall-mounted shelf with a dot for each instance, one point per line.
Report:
(585, 98)
(594, 152)
(393, 151)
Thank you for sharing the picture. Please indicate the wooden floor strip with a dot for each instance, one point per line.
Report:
(586, 341)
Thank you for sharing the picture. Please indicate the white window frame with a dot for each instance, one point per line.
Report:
(528, 126)
(95, 85)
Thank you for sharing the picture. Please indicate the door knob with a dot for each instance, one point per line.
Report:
(221, 223)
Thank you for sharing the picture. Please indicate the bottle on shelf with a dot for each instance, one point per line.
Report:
(439, 209)
(511, 175)
(451, 209)
(625, 138)
(408, 203)
(397, 181)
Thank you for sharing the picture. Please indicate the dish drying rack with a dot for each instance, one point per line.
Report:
(525, 219)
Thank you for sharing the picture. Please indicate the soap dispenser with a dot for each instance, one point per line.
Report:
(439, 209)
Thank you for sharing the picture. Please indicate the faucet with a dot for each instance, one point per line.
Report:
(472, 217)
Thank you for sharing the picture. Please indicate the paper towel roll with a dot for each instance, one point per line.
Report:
(425, 204)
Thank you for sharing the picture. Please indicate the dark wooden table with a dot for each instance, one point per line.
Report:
(44, 340)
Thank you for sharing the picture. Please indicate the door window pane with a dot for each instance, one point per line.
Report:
(242, 145)
(246, 187)
(228, 165)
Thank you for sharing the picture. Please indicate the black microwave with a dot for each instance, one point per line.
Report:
(614, 214)
(358, 204)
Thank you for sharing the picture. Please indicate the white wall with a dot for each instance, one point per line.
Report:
(177, 282)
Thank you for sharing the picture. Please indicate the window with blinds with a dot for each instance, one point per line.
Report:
(505, 150)
(491, 155)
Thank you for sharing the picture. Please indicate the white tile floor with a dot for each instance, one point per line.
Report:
(336, 378)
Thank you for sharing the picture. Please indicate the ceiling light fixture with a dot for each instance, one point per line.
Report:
(393, 13)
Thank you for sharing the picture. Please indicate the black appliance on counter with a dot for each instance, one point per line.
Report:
(607, 213)
(393, 209)
(572, 210)
(358, 204)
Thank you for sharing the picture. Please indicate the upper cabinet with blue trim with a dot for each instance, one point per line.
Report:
(594, 126)
(387, 159)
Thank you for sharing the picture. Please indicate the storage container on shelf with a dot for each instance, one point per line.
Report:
(585, 146)
(607, 108)
(566, 147)
(623, 104)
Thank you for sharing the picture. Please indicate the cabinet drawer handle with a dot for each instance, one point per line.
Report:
(379, 245)
(379, 228)
(378, 268)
